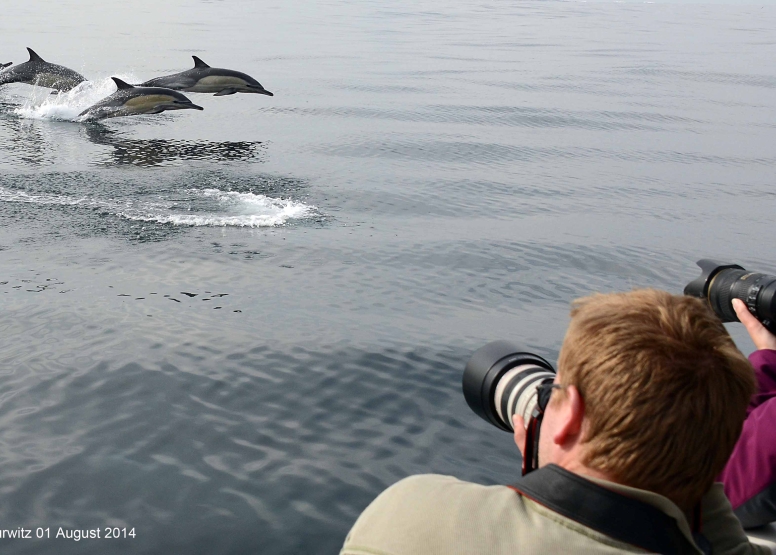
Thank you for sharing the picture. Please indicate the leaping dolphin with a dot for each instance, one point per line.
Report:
(39, 72)
(129, 100)
(205, 79)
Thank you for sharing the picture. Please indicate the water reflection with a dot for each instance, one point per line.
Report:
(157, 152)
(44, 143)
(23, 142)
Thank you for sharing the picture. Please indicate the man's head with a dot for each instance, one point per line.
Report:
(655, 393)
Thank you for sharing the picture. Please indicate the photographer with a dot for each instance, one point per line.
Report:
(750, 475)
(645, 409)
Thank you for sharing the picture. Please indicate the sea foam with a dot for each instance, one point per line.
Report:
(206, 207)
(66, 106)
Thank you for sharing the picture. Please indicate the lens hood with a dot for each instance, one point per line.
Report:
(699, 287)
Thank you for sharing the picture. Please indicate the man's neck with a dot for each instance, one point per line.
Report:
(577, 467)
(572, 461)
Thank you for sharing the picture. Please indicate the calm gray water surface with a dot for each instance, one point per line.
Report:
(230, 329)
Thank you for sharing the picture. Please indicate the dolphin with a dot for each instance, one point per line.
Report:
(205, 79)
(39, 72)
(129, 100)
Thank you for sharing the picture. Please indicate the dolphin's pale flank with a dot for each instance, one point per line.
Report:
(205, 79)
(39, 72)
(129, 100)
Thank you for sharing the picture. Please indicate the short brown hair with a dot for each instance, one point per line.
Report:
(665, 390)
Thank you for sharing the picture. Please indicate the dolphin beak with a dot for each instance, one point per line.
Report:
(195, 107)
(260, 90)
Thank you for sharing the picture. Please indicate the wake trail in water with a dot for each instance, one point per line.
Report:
(204, 207)
(66, 106)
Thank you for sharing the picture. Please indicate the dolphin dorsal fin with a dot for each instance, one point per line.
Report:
(122, 84)
(199, 63)
(33, 56)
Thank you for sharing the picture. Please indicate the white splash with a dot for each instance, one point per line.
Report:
(236, 209)
(230, 209)
(65, 106)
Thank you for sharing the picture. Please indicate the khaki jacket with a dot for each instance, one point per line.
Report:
(441, 515)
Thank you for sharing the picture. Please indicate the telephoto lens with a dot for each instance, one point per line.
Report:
(720, 283)
(500, 380)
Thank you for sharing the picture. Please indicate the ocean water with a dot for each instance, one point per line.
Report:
(229, 330)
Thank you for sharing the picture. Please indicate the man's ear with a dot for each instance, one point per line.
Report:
(570, 415)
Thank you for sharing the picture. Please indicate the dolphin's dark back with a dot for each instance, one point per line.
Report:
(197, 73)
(166, 81)
(130, 91)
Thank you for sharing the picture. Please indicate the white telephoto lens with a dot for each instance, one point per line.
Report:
(516, 392)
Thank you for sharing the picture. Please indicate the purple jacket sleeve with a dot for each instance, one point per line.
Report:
(752, 465)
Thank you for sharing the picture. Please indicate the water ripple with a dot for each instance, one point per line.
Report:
(480, 153)
(510, 116)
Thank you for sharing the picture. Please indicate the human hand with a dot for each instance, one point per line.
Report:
(761, 337)
(518, 424)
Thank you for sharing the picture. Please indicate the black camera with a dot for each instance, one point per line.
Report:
(501, 380)
(720, 283)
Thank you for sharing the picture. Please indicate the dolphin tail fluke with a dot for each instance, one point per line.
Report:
(33, 56)
(122, 84)
(199, 63)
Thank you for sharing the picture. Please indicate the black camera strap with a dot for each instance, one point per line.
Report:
(617, 516)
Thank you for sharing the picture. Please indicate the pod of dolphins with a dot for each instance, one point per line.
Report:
(151, 97)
